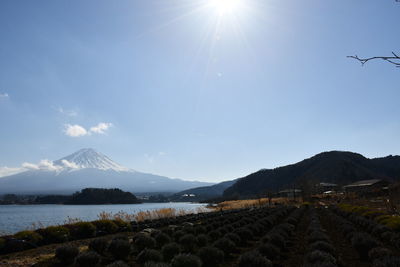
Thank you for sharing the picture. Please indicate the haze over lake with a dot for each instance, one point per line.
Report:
(14, 218)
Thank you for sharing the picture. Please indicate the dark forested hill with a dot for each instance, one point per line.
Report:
(334, 167)
(102, 196)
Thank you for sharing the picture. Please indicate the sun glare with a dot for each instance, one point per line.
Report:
(226, 6)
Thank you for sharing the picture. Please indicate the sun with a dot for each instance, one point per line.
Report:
(223, 7)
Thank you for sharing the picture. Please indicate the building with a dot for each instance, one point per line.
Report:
(366, 186)
(326, 187)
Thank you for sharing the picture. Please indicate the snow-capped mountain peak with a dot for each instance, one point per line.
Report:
(89, 158)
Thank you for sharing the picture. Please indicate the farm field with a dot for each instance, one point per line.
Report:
(282, 235)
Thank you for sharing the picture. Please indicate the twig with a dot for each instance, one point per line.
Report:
(395, 59)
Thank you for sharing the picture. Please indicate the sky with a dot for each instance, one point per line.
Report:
(195, 89)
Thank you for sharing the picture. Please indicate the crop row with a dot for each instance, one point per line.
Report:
(365, 237)
(81, 230)
(211, 241)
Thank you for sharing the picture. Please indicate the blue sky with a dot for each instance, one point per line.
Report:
(176, 88)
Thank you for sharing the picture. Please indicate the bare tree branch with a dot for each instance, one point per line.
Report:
(395, 59)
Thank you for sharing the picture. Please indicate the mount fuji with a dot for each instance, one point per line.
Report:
(87, 168)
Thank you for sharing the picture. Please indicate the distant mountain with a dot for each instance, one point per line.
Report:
(332, 167)
(88, 168)
(202, 193)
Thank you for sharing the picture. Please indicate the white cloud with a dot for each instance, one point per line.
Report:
(6, 171)
(75, 130)
(68, 112)
(69, 164)
(44, 164)
(100, 128)
(4, 95)
(30, 166)
(78, 131)
(162, 153)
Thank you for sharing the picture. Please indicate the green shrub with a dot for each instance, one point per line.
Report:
(88, 259)
(81, 230)
(202, 240)
(322, 246)
(149, 255)
(318, 257)
(371, 214)
(118, 264)
(119, 249)
(2, 243)
(66, 254)
(162, 239)
(363, 243)
(211, 256)
(270, 251)
(234, 238)
(253, 259)
(156, 264)
(29, 236)
(123, 226)
(186, 260)
(55, 234)
(99, 245)
(170, 250)
(381, 218)
(188, 242)
(379, 253)
(226, 245)
(105, 226)
(393, 222)
(144, 241)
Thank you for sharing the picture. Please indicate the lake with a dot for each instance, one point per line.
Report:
(14, 218)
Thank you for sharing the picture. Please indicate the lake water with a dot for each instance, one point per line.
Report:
(14, 218)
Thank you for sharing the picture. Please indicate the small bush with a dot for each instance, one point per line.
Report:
(387, 262)
(120, 249)
(234, 238)
(162, 239)
(99, 245)
(156, 264)
(123, 226)
(118, 264)
(88, 259)
(318, 256)
(105, 227)
(188, 242)
(393, 222)
(178, 234)
(66, 254)
(317, 236)
(29, 236)
(277, 240)
(244, 234)
(55, 234)
(81, 230)
(214, 235)
(170, 250)
(379, 253)
(254, 259)
(186, 260)
(270, 251)
(149, 255)
(226, 245)
(144, 241)
(202, 240)
(211, 256)
(322, 246)
(2, 243)
(363, 243)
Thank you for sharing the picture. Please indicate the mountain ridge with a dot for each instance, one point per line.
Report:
(89, 168)
(340, 167)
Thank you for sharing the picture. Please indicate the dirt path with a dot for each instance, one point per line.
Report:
(346, 254)
(294, 256)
